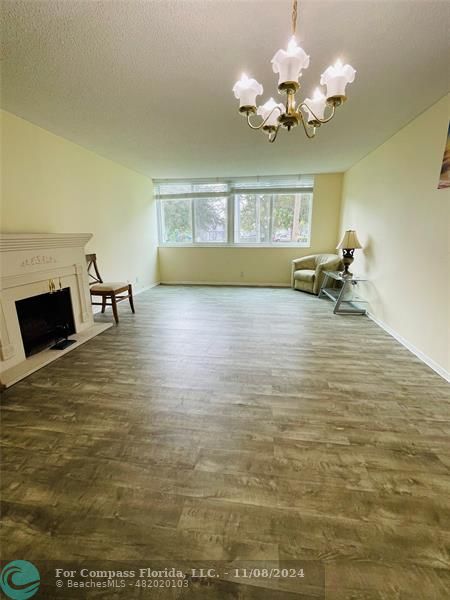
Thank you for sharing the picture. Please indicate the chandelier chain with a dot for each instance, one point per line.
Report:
(294, 17)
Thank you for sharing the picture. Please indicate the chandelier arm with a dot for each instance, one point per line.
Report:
(265, 120)
(305, 127)
(333, 111)
(273, 137)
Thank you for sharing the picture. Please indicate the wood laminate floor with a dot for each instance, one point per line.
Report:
(235, 424)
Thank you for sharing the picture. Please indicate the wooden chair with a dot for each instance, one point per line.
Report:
(107, 291)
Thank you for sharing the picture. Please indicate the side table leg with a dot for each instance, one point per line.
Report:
(340, 298)
(324, 284)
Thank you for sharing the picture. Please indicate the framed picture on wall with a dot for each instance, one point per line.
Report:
(444, 179)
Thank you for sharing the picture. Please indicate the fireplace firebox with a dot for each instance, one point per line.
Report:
(45, 319)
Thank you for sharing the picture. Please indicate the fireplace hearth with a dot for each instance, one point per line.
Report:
(46, 320)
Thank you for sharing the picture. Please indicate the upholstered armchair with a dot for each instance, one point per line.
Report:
(307, 272)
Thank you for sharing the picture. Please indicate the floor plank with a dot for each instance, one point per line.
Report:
(235, 424)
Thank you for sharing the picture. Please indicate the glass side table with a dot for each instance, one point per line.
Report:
(344, 294)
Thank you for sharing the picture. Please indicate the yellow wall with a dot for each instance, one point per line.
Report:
(258, 265)
(403, 222)
(50, 185)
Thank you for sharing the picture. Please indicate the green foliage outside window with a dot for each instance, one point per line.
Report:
(260, 219)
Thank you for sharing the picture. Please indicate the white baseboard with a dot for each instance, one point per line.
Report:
(227, 283)
(420, 355)
(97, 309)
(147, 287)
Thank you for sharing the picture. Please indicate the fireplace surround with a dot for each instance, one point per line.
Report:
(34, 265)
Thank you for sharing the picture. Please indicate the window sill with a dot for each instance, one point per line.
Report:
(222, 245)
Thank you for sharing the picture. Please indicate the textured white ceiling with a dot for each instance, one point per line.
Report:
(148, 83)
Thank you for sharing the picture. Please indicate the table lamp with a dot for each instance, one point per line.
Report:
(348, 244)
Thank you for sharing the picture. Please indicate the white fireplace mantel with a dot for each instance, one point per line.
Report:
(30, 264)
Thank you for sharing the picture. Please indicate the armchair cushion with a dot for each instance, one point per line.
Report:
(305, 275)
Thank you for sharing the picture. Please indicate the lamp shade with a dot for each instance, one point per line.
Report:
(289, 63)
(349, 240)
(336, 78)
(315, 106)
(246, 90)
(265, 111)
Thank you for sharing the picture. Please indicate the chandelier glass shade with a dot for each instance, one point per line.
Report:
(312, 112)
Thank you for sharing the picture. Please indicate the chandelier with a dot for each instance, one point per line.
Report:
(311, 113)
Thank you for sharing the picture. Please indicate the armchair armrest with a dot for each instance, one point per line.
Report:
(305, 262)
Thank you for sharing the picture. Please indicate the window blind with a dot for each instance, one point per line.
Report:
(197, 188)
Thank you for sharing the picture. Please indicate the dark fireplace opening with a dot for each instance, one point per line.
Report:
(45, 319)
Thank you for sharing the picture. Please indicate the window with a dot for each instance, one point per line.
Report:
(210, 220)
(176, 218)
(273, 219)
(247, 211)
(252, 218)
(291, 218)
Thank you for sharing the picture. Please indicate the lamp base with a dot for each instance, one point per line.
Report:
(347, 259)
(269, 129)
(288, 120)
(290, 87)
(336, 100)
(247, 110)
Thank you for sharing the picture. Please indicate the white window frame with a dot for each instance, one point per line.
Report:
(233, 216)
